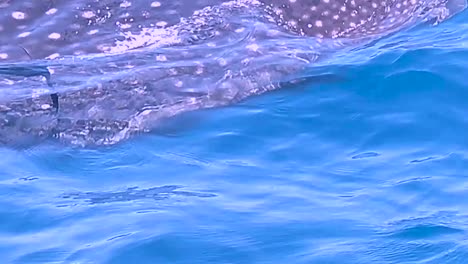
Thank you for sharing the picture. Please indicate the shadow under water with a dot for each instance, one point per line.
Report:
(133, 194)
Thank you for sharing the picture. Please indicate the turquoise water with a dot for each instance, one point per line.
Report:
(369, 167)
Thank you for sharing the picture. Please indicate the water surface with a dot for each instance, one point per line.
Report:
(365, 167)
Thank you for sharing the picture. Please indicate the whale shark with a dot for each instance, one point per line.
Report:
(94, 73)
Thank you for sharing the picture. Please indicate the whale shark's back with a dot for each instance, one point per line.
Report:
(355, 18)
(53, 28)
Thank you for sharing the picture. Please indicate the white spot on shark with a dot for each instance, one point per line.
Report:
(161, 57)
(253, 47)
(179, 84)
(46, 106)
(24, 34)
(125, 4)
(88, 14)
(51, 11)
(161, 24)
(18, 15)
(54, 35)
(155, 4)
(93, 31)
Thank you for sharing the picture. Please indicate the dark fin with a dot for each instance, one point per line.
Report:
(54, 96)
(55, 101)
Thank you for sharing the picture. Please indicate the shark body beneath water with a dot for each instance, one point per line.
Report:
(194, 63)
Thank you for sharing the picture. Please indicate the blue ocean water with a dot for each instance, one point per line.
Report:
(365, 168)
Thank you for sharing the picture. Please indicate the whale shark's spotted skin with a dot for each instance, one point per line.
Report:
(52, 28)
(342, 18)
(194, 66)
